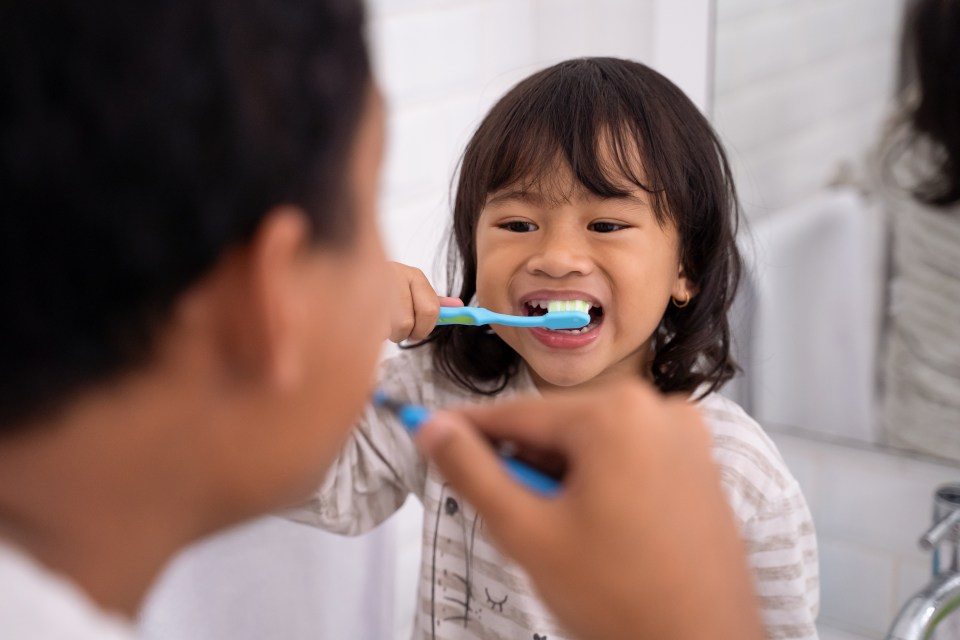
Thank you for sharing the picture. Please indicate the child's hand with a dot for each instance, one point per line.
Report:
(641, 534)
(416, 306)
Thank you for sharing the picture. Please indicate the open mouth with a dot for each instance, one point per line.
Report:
(542, 307)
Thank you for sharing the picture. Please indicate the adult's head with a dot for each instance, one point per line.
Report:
(189, 190)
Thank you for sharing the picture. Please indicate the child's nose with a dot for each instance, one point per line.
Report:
(560, 255)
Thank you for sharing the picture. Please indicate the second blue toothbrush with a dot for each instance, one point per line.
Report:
(411, 416)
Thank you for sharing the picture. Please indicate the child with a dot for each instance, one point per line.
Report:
(594, 180)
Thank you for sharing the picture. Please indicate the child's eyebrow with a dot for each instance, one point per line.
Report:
(537, 199)
(530, 197)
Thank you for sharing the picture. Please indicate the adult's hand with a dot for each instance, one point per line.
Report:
(640, 543)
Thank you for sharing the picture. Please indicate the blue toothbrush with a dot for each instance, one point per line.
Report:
(411, 416)
(479, 315)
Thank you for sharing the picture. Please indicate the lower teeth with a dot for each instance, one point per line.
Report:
(577, 331)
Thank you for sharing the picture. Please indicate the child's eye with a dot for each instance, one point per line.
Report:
(518, 226)
(605, 227)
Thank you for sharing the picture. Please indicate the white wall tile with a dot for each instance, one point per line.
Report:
(879, 501)
(912, 575)
(424, 55)
(573, 28)
(787, 169)
(414, 233)
(856, 587)
(563, 29)
(830, 633)
(782, 106)
(388, 7)
(414, 148)
(731, 10)
(623, 29)
(763, 45)
(801, 86)
(510, 36)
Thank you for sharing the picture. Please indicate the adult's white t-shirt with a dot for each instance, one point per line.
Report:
(37, 604)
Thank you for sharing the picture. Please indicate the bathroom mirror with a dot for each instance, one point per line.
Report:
(802, 92)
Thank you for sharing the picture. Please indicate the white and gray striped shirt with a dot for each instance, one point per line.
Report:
(921, 341)
(468, 589)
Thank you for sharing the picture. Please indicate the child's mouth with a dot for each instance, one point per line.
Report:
(541, 307)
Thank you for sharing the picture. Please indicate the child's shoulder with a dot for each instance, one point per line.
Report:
(753, 470)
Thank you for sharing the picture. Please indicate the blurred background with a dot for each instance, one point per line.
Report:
(800, 92)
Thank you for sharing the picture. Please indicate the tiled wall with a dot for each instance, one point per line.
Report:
(870, 508)
(801, 85)
(442, 63)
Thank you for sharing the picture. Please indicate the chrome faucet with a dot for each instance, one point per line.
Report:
(921, 614)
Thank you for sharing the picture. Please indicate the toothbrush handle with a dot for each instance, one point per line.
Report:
(532, 478)
(480, 316)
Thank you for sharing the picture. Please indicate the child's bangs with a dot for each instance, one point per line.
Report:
(599, 145)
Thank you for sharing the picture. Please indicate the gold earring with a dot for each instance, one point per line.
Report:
(681, 305)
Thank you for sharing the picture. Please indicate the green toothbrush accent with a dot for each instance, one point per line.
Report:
(462, 319)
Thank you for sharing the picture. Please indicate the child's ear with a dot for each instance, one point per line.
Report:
(684, 288)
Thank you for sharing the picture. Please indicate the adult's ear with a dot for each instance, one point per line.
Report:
(252, 300)
(277, 251)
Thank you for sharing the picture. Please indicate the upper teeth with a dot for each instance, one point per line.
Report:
(562, 305)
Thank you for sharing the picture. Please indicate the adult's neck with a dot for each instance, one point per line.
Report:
(106, 492)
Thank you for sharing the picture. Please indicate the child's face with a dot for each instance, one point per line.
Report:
(611, 253)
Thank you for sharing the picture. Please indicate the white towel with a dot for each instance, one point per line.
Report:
(810, 352)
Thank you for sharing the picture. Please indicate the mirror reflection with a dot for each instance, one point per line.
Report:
(840, 120)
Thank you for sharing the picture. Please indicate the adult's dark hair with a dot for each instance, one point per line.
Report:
(930, 95)
(569, 113)
(140, 140)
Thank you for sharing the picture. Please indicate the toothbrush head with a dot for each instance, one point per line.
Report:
(565, 319)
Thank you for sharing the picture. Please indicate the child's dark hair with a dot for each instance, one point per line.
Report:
(569, 112)
(930, 86)
(138, 142)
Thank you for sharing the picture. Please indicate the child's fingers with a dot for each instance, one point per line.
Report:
(416, 305)
(446, 301)
(401, 309)
(426, 306)
(470, 465)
